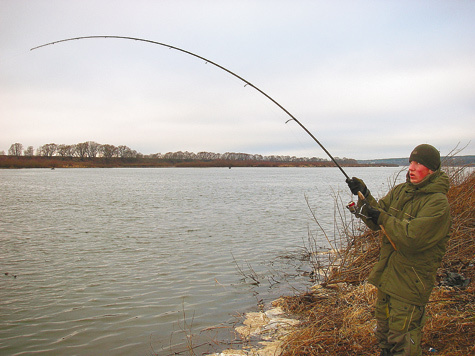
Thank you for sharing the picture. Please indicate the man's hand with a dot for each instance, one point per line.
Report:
(357, 185)
(373, 213)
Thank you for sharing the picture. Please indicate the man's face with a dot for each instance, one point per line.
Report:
(417, 172)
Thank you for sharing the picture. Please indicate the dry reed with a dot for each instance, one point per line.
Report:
(337, 316)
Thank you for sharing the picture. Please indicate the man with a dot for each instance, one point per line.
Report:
(415, 219)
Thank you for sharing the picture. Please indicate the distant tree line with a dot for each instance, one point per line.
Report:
(92, 150)
(233, 156)
(83, 150)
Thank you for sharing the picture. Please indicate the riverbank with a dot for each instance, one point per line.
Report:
(99, 162)
(336, 316)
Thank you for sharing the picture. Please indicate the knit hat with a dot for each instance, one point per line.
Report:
(427, 155)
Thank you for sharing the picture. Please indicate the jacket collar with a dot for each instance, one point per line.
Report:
(432, 183)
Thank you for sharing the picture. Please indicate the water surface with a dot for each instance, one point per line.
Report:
(121, 261)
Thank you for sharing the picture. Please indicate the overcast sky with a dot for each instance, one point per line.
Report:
(370, 79)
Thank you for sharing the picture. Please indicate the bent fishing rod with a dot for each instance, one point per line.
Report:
(213, 63)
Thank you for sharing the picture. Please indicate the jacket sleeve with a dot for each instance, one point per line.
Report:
(423, 231)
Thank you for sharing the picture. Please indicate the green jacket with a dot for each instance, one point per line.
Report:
(417, 219)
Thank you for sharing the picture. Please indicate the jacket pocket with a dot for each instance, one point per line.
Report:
(415, 283)
(419, 280)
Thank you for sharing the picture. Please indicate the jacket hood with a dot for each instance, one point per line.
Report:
(437, 182)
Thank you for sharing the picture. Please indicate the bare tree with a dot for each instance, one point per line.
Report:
(92, 149)
(131, 154)
(29, 152)
(108, 151)
(189, 155)
(48, 150)
(207, 156)
(126, 152)
(81, 149)
(66, 150)
(15, 149)
(156, 155)
(121, 151)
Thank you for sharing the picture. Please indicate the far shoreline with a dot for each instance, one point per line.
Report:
(19, 162)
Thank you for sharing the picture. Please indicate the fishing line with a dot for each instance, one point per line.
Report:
(207, 61)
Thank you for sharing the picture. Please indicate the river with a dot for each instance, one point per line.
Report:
(134, 261)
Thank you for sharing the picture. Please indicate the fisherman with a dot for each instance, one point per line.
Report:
(415, 219)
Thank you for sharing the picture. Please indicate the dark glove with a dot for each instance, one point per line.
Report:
(357, 185)
(373, 213)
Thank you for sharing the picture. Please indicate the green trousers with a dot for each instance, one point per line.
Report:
(399, 325)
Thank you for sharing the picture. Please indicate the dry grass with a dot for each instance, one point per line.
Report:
(336, 321)
(337, 318)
